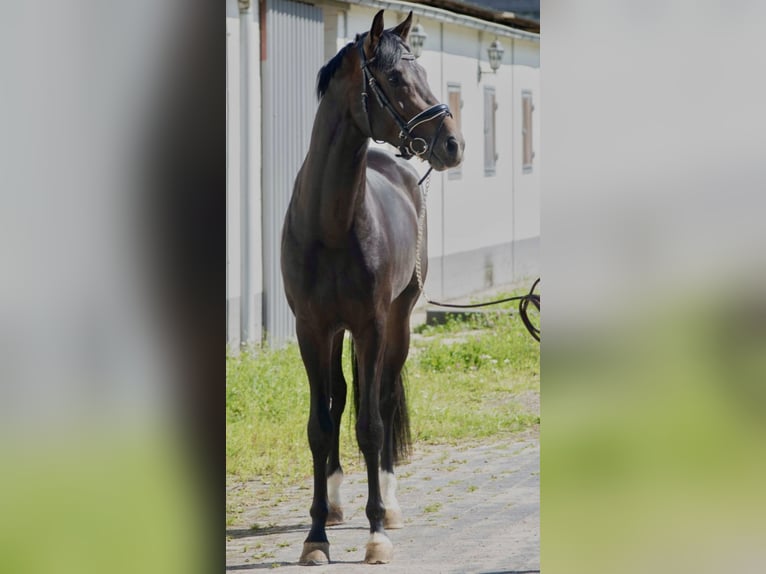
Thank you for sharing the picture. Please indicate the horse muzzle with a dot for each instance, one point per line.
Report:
(447, 151)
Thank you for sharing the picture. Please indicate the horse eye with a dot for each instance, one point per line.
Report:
(394, 79)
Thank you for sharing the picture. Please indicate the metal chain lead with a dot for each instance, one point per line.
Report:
(421, 223)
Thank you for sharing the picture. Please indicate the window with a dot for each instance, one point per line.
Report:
(527, 107)
(455, 103)
(490, 151)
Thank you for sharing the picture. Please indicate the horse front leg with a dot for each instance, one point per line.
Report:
(369, 434)
(315, 352)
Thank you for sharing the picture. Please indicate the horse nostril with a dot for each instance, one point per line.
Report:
(452, 146)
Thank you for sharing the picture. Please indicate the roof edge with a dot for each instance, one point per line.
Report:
(500, 17)
(428, 9)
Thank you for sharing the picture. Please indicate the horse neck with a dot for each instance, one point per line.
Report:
(332, 180)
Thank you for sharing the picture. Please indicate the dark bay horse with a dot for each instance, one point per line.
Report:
(348, 263)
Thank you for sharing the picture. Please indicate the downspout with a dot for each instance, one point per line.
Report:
(250, 200)
(444, 194)
(515, 161)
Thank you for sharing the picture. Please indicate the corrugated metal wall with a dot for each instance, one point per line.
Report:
(294, 54)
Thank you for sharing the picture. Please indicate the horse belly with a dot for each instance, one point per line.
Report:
(402, 240)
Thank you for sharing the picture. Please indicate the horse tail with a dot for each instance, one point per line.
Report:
(400, 434)
(355, 379)
(401, 421)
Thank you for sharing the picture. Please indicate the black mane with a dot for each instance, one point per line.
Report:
(327, 71)
(388, 53)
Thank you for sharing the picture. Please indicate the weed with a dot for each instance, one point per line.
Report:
(431, 508)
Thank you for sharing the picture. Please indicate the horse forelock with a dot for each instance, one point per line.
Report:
(389, 51)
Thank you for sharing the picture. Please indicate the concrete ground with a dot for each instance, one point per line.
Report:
(467, 509)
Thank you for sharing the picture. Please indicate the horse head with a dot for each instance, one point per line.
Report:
(398, 106)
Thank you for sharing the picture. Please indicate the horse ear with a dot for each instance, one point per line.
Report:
(375, 32)
(403, 29)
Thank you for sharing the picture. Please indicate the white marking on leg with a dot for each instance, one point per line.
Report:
(379, 549)
(333, 489)
(378, 538)
(388, 491)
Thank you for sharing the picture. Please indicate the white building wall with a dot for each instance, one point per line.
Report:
(433, 64)
(526, 220)
(478, 206)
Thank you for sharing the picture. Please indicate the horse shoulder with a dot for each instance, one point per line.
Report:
(396, 169)
(389, 176)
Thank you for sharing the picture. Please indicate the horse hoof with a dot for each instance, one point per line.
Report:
(335, 516)
(379, 549)
(393, 519)
(315, 553)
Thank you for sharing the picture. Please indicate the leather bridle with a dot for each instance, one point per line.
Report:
(410, 145)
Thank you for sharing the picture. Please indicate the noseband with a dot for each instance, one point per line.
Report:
(409, 145)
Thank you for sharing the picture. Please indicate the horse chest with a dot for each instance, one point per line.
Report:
(331, 276)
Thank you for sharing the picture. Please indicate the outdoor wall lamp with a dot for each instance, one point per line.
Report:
(417, 39)
(495, 53)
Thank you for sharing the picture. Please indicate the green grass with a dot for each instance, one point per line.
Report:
(465, 375)
(463, 380)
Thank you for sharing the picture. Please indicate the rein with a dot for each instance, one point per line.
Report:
(410, 145)
(524, 300)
